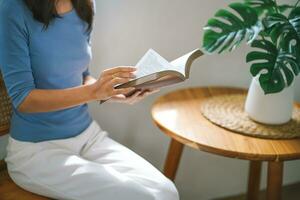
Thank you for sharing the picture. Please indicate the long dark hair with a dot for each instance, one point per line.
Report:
(45, 11)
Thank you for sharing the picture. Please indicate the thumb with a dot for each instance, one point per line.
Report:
(119, 97)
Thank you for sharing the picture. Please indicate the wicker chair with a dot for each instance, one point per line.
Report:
(8, 189)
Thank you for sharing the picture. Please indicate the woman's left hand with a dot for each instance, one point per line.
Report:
(133, 99)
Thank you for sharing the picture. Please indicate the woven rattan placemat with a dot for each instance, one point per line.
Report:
(5, 107)
(228, 112)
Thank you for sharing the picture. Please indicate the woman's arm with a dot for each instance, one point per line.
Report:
(51, 100)
(103, 88)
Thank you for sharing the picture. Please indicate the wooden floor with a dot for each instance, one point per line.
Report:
(291, 192)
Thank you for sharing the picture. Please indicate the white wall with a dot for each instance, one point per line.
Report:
(125, 30)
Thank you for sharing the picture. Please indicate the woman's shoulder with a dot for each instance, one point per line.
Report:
(11, 6)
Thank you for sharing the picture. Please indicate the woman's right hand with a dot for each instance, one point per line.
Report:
(104, 87)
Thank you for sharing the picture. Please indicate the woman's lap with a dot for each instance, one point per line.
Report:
(101, 169)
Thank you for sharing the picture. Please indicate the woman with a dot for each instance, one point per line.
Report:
(55, 148)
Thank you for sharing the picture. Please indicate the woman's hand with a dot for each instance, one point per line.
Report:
(133, 99)
(104, 87)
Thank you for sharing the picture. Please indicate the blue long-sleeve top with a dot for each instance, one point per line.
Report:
(32, 57)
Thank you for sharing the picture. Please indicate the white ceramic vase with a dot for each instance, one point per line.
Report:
(273, 109)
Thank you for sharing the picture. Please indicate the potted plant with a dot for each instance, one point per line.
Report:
(274, 31)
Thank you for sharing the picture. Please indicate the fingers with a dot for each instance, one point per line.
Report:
(116, 81)
(122, 91)
(117, 75)
(105, 79)
(135, 95)
(119, 97)
(117, 78)
(152, 91)
(121, 69)
(134, 98)
(104, 87)
(124, 75)
(149, 92)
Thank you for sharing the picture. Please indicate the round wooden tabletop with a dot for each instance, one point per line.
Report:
(178, 115)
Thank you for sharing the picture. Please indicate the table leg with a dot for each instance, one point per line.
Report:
(173, 159)
(275, 176)
(254, 180)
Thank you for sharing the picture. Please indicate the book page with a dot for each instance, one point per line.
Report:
(151, 63)
(180, 63)
(183, 63)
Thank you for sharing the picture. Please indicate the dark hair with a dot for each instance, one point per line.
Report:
(45, 11)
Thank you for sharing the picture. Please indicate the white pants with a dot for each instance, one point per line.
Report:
(90, 166)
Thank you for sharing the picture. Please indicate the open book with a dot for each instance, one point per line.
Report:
(154, 71)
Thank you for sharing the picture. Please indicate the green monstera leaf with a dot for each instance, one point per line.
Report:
(227, 31)
(276, 68)
(295, 22)
(286, 31)
(281, 25)
(268, 6)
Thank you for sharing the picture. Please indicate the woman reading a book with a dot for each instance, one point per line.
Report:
(55, 148)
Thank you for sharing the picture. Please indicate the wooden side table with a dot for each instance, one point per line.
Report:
(178, 115)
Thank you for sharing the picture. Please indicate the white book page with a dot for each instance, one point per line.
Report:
(180, 63)
(151, 63)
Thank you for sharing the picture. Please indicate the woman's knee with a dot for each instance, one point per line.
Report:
(131, 190)
(165, 190)
(168, 191)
